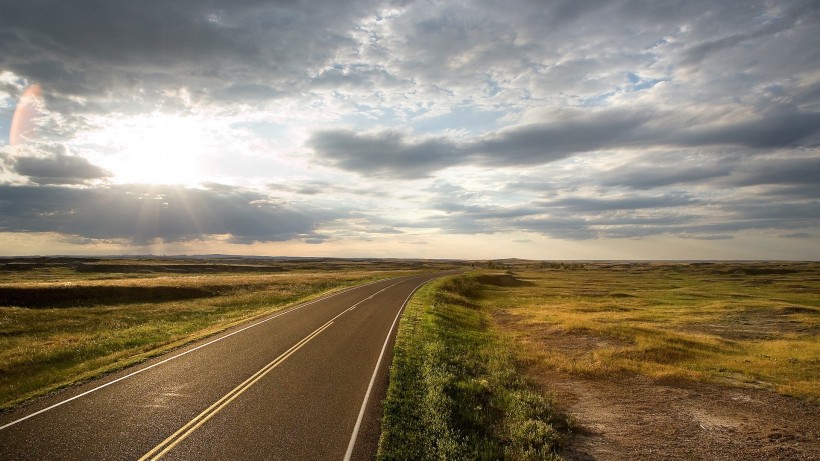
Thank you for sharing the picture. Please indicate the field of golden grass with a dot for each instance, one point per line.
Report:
(739, 324)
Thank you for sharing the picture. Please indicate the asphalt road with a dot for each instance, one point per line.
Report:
(291, 386)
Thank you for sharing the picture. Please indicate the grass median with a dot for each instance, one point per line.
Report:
(455, 389)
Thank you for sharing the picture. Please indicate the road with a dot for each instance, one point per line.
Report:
(304, 383)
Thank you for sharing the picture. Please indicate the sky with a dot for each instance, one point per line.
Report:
(622, 129)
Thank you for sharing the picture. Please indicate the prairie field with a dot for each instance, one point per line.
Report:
(63, 321)
(670, 361)
(741, 324)
(609, 361)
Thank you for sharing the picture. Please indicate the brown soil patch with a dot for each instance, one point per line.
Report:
(638, 418)
(758, 329)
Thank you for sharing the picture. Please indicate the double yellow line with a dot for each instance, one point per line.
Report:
(168, 444)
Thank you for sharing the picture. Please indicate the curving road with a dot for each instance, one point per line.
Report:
(304, 383)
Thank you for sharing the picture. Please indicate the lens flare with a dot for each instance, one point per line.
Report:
(25, 115)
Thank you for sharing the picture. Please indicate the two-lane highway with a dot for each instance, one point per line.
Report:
(304, 383)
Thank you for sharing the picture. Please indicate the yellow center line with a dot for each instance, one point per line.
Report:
(177, 437)
(365, 299)
(186, 430)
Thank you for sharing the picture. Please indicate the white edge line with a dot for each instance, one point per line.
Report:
(278, 314)
(355, 434)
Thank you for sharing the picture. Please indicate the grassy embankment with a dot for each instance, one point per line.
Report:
(455, 391)
(739, 324)
(59, 326)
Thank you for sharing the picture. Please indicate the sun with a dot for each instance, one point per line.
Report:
(153, 149)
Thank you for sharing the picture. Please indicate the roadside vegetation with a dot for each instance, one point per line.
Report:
(456, 392)
(738, 324)
(65, 323)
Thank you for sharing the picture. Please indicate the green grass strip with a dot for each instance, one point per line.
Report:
(455, 392)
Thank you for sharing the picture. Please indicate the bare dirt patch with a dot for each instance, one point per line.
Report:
(639, 418)
(630, 417)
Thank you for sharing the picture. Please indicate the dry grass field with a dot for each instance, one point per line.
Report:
(698, 361)
(737, 324)
(672, 361)
(65, 320)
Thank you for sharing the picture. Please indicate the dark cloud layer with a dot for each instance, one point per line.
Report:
(245, 48)
(59, 168)
(141, 214)
(674, 169)
(394, 154)
(797, 174)
(386, 153)
(774, 130)
(586, 204)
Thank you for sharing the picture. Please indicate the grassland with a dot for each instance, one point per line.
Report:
(455, 390)
(738, 324)
(65, 320)
(653, 356)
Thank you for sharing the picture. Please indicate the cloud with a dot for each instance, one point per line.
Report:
(663, 169)
(56, 168)
(321, 188)
(586, 204)
(571, 218)
(357, 76)
(781, 173)
(408, 56)
(707, 237)
(781, 18)
(547, 142)
(773, 130)
(387, 153)
(385, 230)
(247, 92)
(228, 48)
(789, 171)
(480, 212)
(574, 120)
(798, 235)
(144, 213)
(395, 154)
(633, 215)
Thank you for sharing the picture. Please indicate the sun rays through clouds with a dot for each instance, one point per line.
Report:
(615, 129)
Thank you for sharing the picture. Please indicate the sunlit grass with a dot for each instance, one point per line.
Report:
(739, 324)
(455, 388)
